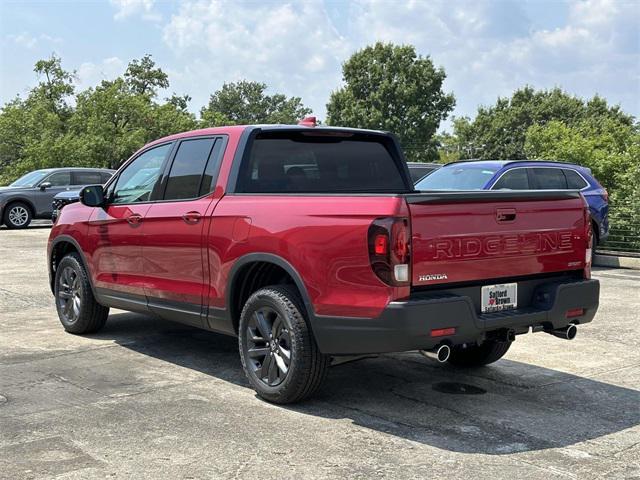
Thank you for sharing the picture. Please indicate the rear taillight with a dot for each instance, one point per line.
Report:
(389, 242)
(588, 233)
(605, 195)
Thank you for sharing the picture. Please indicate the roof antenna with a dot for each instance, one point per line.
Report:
(308, 121)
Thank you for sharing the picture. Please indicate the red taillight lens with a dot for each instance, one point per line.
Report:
(399, 235)
(605, 196)
(381, 244)
(390, 250)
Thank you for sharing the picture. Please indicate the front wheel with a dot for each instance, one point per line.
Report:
(279, 354)
(17, 215)
(478, 355)
(77, 308)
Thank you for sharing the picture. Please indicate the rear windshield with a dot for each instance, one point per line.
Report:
(457, 177)
(289, 162)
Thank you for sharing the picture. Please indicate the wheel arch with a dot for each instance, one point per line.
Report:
(20, 199)
(60, 247)
(256, 270)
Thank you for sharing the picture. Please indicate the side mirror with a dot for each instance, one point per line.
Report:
(92, 196)
(45, 185)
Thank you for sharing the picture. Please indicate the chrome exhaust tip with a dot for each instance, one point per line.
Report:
(439, 354)
(567, 333)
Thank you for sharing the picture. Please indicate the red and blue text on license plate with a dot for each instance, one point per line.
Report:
(496, 298)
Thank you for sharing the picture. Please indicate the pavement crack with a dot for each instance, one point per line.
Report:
(77, 385)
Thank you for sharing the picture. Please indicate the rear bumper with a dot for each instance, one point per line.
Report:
(406, 325)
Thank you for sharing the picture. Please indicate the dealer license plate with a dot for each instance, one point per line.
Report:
(496, 298)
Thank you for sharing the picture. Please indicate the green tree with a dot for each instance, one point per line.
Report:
(143, 78)
(101, 127)
(390, 87)
(31, 130)
(55, 86)
(115, 120)
(499, 131)
(245, 102)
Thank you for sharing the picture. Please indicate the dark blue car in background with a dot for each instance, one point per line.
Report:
(525, 175)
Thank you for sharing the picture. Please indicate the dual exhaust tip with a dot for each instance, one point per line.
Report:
(441, 353)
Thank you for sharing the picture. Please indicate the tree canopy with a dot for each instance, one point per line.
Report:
(98, 127)
(499, 131)
(391, 87)
(245, 103)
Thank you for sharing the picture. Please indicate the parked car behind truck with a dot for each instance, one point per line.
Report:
(338, 256)
(31, 195)
(71, 196)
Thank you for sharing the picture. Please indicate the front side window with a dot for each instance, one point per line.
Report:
(549, 179)
(187, 169)
(31, 179)
(136, 182)
(516, 179)
(286, 162)
(59, 179)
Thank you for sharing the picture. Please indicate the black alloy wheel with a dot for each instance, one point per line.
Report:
(69, 295)
(278, 351)
(78, 310)
(268, 346)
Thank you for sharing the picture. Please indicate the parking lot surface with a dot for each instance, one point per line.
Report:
(146, 398)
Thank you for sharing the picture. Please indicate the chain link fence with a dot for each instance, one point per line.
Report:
(624, 230)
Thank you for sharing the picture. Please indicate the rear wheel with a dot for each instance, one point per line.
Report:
(77, 308)
(278, 352)
(17, 215)
(478, 355)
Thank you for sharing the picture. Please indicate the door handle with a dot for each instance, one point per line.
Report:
(192, 218)
(134, 219)
(505, 215)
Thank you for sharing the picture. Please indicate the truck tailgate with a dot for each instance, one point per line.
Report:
(471, 236)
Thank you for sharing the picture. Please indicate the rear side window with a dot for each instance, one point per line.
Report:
(574, 180)
(211, 170)
(549, 179)
(188, 168)
(105, 177)
(516, 179)
(285, 162)
(87, 178)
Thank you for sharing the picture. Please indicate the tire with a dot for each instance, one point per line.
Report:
(77, 308)
(273, 323)
(478, 355)
(17, 215)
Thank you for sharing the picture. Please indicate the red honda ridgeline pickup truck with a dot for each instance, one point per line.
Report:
(310, 243)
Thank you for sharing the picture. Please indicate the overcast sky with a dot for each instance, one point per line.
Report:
(488, 48)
